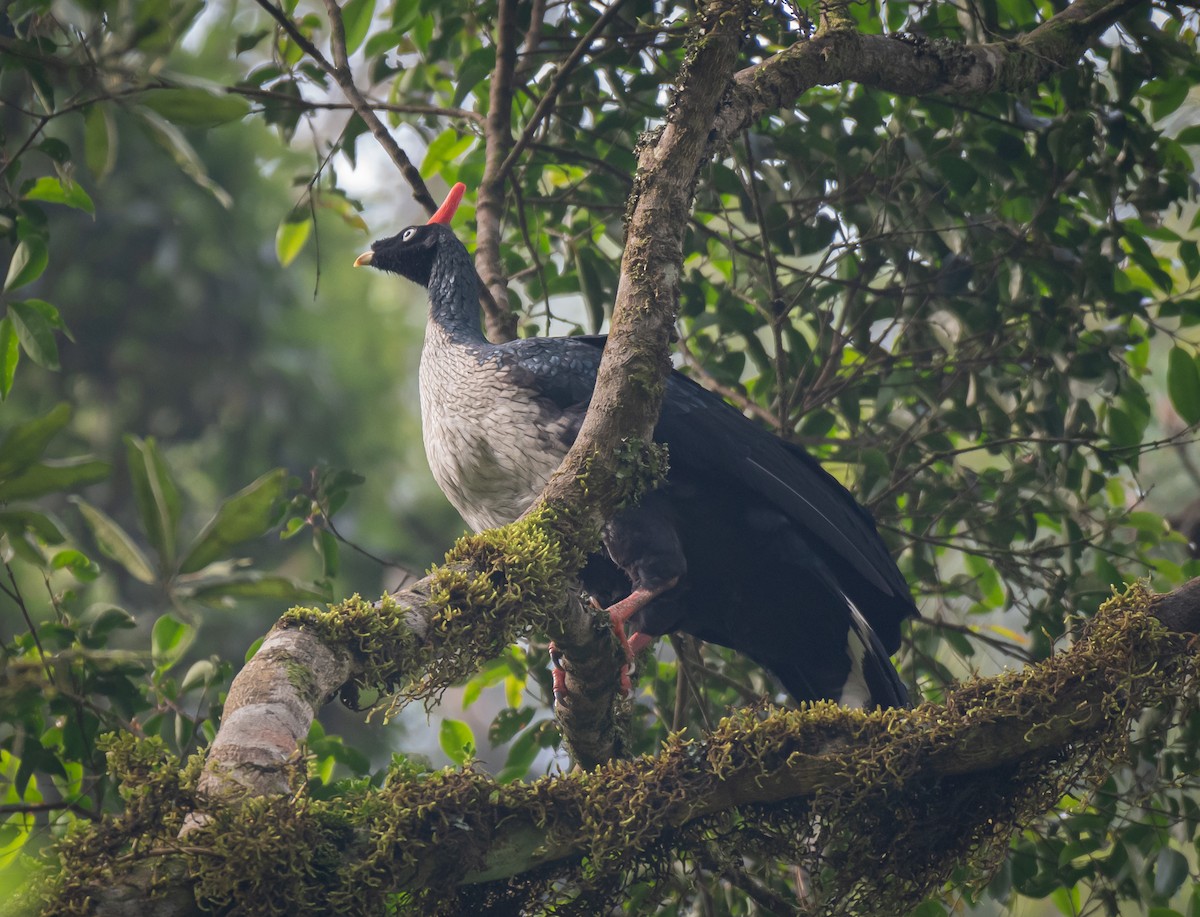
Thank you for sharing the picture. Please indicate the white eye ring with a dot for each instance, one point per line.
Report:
(408, 234)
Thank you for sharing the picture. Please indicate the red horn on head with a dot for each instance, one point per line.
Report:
(445, 213)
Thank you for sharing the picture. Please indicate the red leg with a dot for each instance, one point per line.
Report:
(622, 611)
(559, 674)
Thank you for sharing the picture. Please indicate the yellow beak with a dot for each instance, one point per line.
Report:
(364, 258)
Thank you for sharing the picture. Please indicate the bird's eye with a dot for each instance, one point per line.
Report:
(408, 234)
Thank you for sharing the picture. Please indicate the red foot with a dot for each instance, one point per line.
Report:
(622, 611)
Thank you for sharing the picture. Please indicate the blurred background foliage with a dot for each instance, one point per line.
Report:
(978, 313)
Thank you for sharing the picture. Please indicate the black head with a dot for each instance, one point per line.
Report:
(410, 253)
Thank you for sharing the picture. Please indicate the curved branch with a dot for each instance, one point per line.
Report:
(339, 69)
(910, 65)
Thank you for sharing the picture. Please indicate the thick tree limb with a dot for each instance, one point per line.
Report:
(988, 733)
(711, 106)
(493, 588)
(629, 385)
(913, 66)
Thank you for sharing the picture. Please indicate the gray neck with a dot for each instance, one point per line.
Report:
(454, 293)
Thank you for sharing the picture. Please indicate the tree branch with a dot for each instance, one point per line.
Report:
(546, 104)
(493, 589)
(629, 385)
(489, 203)
(340, 71)
(913, 66)
(993, 739)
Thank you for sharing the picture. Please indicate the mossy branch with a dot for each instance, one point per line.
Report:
(913, 65)
(890, 802)
(494, 588)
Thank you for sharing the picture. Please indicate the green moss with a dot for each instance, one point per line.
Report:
(493, 588)
(887, 831)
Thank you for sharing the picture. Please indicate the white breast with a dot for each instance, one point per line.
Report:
(490, 446)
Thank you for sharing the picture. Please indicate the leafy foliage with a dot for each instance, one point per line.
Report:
(980, 313)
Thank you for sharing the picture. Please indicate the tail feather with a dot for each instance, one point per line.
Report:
(873, 680)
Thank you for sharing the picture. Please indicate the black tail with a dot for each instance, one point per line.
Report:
(864, 678)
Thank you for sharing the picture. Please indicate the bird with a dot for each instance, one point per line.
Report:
(748, 543)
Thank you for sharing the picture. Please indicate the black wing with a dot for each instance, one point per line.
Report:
(707, 436)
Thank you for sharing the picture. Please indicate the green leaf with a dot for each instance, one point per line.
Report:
(1183, 384)
(115, 543)
(248, 514)
(10, 355)
(35, 321)
(99, 140)
(198, 675)
(1189, 254)
(457, 740)
(520, 758)
(18, 521)
(169, 640)
(28, 261)
(103, 618)
(248, 40)
(171, 139)
(446, 147)
(1165, 95)
(476, 68)
(218, 591)
(1123, 430)
(388, 39)
(81, 566)
(26, 442)
(356, 19)
(1067, 900)
(290, 238)
(53, 477)
(156, 496)
(195, 107)
(1170, 872)
(508, 723)
(53, 191)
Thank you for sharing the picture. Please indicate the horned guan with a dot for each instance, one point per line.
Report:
(749, 543)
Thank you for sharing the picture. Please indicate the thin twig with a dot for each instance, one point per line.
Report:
(33, 808)
(339, 69)
(556, 85)
(345, 80)
(20, 600)
(400, 108)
